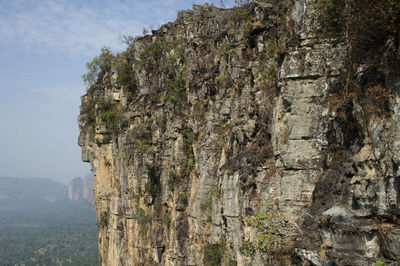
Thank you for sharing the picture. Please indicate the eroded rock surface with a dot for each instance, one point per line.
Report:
(216, 140)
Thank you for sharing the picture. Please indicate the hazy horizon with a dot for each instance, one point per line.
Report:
(65, 182)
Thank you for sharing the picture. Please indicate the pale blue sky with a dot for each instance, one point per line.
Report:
(43, 50)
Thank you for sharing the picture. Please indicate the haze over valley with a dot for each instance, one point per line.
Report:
(45, 222)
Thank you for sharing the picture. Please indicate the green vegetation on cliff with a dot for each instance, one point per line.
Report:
(242, 127)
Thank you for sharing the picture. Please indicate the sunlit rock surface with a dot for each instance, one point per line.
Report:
(224, 148)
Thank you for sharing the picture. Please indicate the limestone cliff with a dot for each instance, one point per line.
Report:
(235, 137)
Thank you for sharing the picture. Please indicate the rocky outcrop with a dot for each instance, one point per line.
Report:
(233, 137)
(75, 189)
(81, 189)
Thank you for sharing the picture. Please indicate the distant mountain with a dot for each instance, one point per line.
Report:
(35, 192)
(75, 189)
(28, 191)
(39, 225)
(81, 189)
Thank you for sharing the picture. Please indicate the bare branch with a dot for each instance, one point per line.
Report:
(127, 39)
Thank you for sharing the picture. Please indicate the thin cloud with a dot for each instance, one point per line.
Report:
(79, 28)
(63, 27)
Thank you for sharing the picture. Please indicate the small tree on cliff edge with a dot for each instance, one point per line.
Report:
(95, 66)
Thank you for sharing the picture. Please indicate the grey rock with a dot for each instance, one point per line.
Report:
(257, 144)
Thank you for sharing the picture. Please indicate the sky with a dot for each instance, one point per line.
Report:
(44, 46)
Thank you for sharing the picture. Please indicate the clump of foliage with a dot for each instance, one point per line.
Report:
(327, 15)
(374, 98)
(99, 63)
(123, 65)
(213, 253)
(142, 132)
(187, 165)
(247, 248)
(166, 218)
(232, 262)
(153, 51)
(177, 55)
(190, 163)
(103, 220)
(188, 137)
(365, 26)
(176, 91)
(143, 220)
(246, 29)
(266, 236)
(270, 76)
(364, 23)
(380, 263)
(124, 70)
(153, 183)
(89, 109)
(377, 99)
(206, 202)
(142, 145)
(109, 114)
(172, 179)
(157, 96)
(199, 109)
(239, 14)
(242, 2)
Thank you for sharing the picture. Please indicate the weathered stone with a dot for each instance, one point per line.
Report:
(231, 136)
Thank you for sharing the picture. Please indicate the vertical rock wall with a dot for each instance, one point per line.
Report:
(216, 140)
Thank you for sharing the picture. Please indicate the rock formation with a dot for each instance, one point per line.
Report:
(81, 189)
(75, 189)
(236, 137)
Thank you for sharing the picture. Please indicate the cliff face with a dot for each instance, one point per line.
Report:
(232, 137)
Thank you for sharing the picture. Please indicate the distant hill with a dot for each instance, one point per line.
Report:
(36, 190)
(39, 225)
(18, 193)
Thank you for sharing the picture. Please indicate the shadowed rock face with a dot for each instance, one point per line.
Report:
(219, 140)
